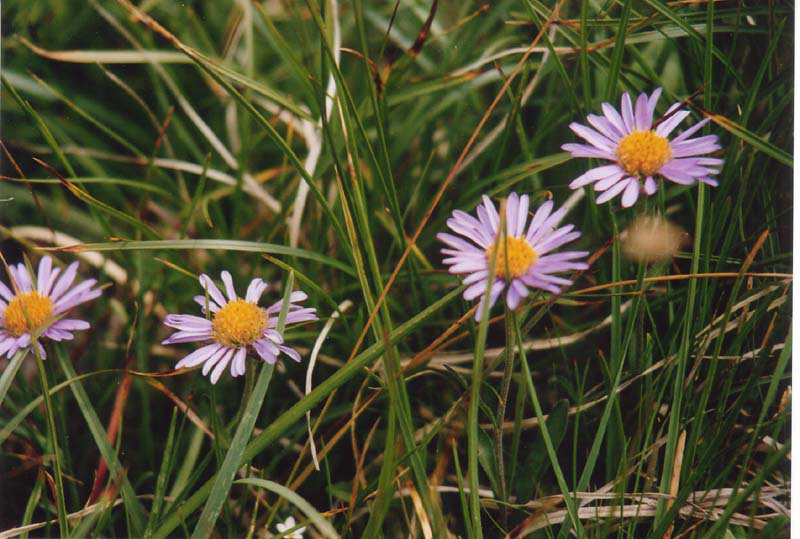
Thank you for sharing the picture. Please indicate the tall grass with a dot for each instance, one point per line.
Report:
(321, 145)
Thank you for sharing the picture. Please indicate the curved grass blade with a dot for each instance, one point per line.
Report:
(319, 521)
(752, 139)
(224, 245)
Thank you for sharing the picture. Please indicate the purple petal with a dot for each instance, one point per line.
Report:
(547, 227)
(539, 217)
(213, 291)
(497, 288)
(665, 128)
(491, 212)
(21, 277)
(199, 356)
(220, 368)
(475, 290)
(651, 105)
(6, 343)
(65, 281)
(267, 350)
(475, 277)
(631, 194)
(80, 294)
(201, 300)
(615, 119)
(457, 243)
(522, 214)
(593, 137)
(516, 292)
(6, 292)
(187, 322)
(291, 352)
(557, 239)
(45, 267)
(187, 336)
(512, 206)
(228, 281)
(582, 150)
(47, 286)
(613, 191)
(467, 266)
(606, 128)
(70, 324)
(627, 113)
(607, 183)
(301, 315)
(642, 119)
(237, 366)
(595, 174)
(650, 186)
(254, 290)
(691, 131)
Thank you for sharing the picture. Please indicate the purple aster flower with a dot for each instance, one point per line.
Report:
(36, 304)
(522, 260)
(235, 324)
(640, 150)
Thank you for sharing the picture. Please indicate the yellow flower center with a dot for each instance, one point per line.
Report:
(27, 312)
(643, 152)
(514, 257)
(238, 323)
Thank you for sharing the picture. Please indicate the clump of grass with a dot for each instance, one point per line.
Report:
(322, 147)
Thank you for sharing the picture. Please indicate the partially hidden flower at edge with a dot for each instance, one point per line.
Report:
(235, 324)
(641, 151)
(522, 262)
(36, 304)
(287, 525)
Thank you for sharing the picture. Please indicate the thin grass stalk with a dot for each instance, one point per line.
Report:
(572, 510)
(61, 506)
(687, 339)
(505, 387)
(477, 379)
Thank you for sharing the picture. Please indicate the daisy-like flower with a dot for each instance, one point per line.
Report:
(640, 151)
(36, 304)
(235, 324)
(522, 259)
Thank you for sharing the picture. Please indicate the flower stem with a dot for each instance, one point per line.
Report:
(63, 530)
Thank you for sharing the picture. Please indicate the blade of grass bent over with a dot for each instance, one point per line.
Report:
(319, 521)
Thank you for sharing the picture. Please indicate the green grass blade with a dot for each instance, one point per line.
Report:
(210, 244)
(133, 507)
(10, 372)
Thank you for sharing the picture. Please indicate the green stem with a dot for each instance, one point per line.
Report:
(505, 387)
(572, 510)
(63, 530)
(683, 358)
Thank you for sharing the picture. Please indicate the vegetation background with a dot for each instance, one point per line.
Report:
(330, 140)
